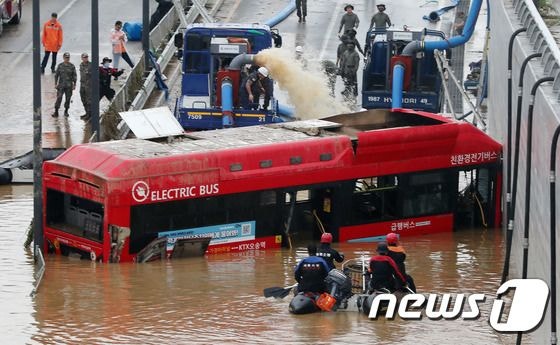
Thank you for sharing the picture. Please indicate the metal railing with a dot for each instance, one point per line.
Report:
(40, 270)
(134, 93)
(540, 38)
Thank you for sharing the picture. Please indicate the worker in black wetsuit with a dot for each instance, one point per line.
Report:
(253, 86)
(397, 253)
(326, 252)
(384, 271)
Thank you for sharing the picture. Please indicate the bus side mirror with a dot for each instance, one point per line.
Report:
(277, 39)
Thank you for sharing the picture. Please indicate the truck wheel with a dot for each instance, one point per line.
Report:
(17, 18)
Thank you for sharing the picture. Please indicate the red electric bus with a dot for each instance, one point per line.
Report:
(358, 176)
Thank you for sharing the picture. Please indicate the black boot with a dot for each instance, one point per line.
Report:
(304, 19)
(55, 114)
(66, 112)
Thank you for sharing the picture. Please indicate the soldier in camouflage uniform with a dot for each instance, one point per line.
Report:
(349, 64)
(64, 81)
(85, 85)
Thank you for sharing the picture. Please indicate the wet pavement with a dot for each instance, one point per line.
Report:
(16, 84)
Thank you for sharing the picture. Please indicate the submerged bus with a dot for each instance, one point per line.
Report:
(357, 175)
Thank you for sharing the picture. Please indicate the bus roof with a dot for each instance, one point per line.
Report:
(423, 140)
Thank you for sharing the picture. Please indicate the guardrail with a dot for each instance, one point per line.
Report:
(134, 94)
(540, 37)
(40, 270)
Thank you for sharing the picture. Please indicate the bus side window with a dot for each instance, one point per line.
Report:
(375, 198)
(425, 194)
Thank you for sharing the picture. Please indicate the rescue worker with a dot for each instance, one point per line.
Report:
(349, 20)
(341, 49)
(351, 34)
(64, 82)
(349, 63)
(253, 86)
(397, 253)
(105, 74)
(310, 273)
(85, 85)
(380, 20)
(326, 252)
(384, 272)
(52, 41)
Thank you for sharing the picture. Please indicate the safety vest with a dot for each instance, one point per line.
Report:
(118, 38)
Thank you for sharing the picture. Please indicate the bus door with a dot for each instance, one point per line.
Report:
(307, 213)
(476, 198)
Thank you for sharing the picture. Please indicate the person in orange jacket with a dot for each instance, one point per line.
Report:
(52, 41)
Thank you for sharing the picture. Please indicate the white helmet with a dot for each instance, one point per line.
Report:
(299, 49)
(263, 71)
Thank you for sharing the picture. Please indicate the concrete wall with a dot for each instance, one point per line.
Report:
(546, 118)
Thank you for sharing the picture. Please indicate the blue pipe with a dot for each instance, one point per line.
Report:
(434, 15)
(227, 102)
(411, 48)
(465, 35)
(398, 81)
(285, 110)
(415, 46)
(282, 14)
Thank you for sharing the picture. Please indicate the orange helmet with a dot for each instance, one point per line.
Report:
(392, 238)
(326, 237)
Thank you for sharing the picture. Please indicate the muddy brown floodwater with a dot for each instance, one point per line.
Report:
(218, 299)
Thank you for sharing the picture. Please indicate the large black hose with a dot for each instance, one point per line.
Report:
(513, 183)
(528, 182)
(509, 225)
(553, 149)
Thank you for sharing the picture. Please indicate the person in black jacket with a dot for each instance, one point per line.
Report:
(310, 273)
(326, 252)
(105, 74)
(163, 7)
(253, 86)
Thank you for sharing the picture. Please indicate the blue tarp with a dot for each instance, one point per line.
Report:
(133, 30)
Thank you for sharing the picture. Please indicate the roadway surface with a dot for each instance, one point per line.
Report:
(318, 36)
(16, 62)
